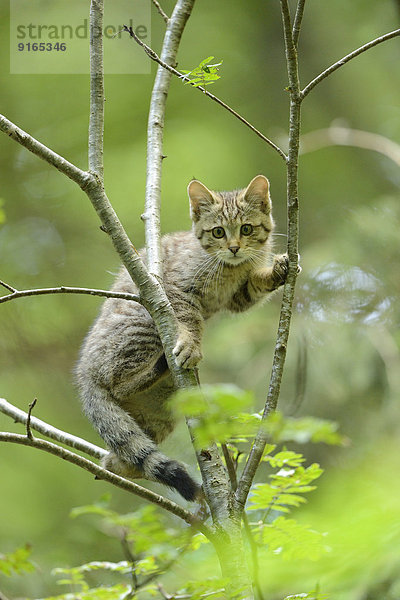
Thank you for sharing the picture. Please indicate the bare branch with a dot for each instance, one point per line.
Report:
(155, 134)
(65, 290)
(82, 178)
(345, 136)
(105, 475)
(20, 416)
(96, 115)
(153, 55)
(346, 59)
(160, 10)
(8, 287)
(289, 288)
(297, 21)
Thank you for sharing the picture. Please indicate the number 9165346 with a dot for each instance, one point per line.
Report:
(42, 47)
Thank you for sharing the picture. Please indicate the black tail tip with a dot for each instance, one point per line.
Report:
(175, 476)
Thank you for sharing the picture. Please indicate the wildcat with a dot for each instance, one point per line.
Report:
(224, 263)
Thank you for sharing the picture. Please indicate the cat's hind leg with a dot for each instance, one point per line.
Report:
(133, 453)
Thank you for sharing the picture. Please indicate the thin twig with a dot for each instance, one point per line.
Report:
(105, 475)
(346, 59)
(230, 466)
(297, 21)
(67, 290)
(130, 558)
(28, 421)
(153, 55)
(160, 10)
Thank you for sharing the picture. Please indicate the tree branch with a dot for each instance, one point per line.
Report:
(82, 178)
(73, 441)
(96, 117)
(105, 475)
(160, 10)
(155, 133)
(153, 55)
(346, 59)
(289, 288)
(65, 290)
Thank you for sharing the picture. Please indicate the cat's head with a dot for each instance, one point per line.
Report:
(233, 226)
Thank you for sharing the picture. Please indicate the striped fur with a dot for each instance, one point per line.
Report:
(122, 372)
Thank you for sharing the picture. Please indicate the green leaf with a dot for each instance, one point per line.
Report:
(284, 489)
(290, 539)
(204, 73)
(303, 430)
(17, 561)
(222, 412)
(285, 458)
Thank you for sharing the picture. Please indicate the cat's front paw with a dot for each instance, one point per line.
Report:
(187, 351)
(280, 269)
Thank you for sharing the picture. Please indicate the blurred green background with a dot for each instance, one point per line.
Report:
(345, 335)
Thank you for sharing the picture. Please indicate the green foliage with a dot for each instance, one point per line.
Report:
(204, 73)
(284, 489)
(115, 592)
(303, 430)
(17, 561)
(290, 539)
(197, 590)
(219, 411)
(222, 415)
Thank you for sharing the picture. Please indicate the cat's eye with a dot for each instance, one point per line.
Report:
(246, 229)
(218, 232)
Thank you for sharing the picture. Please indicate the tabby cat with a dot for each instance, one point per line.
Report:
(224, 263)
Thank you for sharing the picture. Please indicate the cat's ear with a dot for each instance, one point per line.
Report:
(200, 197)
(258, 192)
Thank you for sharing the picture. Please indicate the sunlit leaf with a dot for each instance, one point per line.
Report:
(204, 74)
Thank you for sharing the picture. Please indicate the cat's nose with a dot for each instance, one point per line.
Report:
(234, 249)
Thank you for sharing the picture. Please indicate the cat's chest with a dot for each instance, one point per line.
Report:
(216, 292)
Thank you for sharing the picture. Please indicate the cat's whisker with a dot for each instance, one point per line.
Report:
(204, 266)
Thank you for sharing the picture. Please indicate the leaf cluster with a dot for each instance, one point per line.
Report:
(204, 73)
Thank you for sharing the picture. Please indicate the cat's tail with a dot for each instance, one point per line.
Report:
(133, 454)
